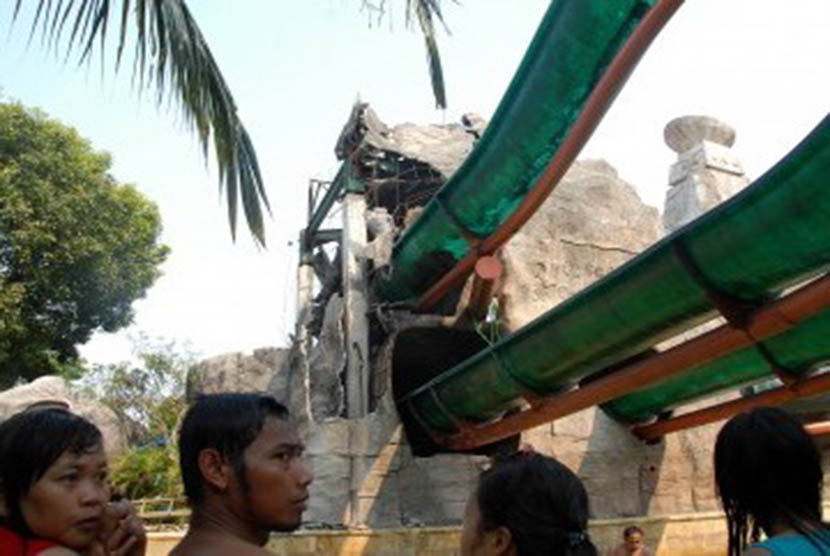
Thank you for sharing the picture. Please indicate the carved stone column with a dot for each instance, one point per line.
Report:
(706, 173)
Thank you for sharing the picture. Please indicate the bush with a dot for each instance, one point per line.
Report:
(148, 472)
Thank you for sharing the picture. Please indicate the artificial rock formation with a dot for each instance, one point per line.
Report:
(56, 390)
(365, 471)
(235, 372)
(592, 223)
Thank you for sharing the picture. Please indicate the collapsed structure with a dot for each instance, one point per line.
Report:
(418, 311)
(367, 473)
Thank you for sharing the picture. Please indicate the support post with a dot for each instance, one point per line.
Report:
(305, 294)
(356, 324)
(487, 272)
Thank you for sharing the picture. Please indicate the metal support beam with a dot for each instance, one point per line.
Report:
(802, 389)
(325, 236)
(767, 321)
(319, 213)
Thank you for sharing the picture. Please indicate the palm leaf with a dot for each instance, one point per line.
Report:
(170, 51)
(423, 11)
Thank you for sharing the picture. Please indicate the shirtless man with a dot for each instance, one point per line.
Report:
(243, 475)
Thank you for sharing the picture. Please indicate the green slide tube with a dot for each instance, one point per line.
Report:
(772, 235)
(797, 351)
(575, 42)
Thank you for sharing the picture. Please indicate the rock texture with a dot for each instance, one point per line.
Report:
(235, 372)
(54, 389)
(403, 166)
(366, 476)
(326, 364)
(442, 147)
(592, 223)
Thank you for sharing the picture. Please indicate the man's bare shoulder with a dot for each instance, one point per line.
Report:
(217, 546)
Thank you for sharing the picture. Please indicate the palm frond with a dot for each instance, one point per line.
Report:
(171, 51)
(423, 11)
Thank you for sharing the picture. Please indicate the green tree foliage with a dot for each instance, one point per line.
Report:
(147, 472)
(76, 248)
(149, 398)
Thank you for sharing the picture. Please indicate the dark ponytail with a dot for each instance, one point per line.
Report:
(540, 501)
(768, 471)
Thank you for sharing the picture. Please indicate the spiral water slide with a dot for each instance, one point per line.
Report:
(599, 347)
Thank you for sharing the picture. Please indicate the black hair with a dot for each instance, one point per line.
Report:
(227, 423)
(540, 501)
(30, 443)
(767, 471)
(631, 529)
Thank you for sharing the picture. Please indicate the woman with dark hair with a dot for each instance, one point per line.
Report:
(54, 495)
(526, 505)
(769, 478)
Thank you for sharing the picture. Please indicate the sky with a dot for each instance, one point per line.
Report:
(296, 68)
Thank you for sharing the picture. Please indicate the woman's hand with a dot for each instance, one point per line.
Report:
(122, 534)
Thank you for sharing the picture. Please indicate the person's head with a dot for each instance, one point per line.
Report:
(53, 476)
(243, 452)
(767, 473)
(527, 504)
(634, 539)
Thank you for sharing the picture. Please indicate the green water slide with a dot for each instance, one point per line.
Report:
(575, 43)
(796, 351)
(772, 235)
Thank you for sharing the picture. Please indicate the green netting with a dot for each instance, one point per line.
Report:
(575, 42)
(797, 350)
(771, 235)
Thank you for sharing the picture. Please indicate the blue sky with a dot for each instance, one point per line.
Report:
(295, 68)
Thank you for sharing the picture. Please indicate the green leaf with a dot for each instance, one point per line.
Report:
(172, 54)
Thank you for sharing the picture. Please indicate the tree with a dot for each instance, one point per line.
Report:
(179, 58)
(148, 396)
(76, 248)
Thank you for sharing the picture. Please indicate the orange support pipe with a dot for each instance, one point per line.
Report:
(802, 389)
(487, 273)
(597, 104)
(818, 429)
(767, 321)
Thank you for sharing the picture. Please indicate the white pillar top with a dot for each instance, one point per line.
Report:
(685, 132)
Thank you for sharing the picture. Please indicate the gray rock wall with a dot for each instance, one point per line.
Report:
(235, 372)
(55, 389)
(592, 223)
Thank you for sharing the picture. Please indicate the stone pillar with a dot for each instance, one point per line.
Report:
(305, 295)
(706, 172)
(356, 325)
